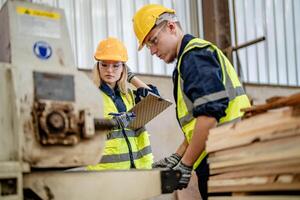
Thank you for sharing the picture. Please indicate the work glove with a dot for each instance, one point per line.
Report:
(186, 173)
(130, 74)
(122, 119)
(141, 93)
(168, 162)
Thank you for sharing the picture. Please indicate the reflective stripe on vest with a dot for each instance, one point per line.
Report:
(116, 152)
(125, 156)
(233, 91)
(129, 133)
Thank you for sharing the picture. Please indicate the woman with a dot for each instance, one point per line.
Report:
(124, 148)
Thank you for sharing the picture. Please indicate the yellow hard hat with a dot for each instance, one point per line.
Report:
(111, 49)
(145, 18)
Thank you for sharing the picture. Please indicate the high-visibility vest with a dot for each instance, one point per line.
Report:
(233, 89)
(116, 153)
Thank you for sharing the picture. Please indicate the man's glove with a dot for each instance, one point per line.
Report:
(186, 173)
(130, 74)
(168, 162)
(141, 93)
(122, 119)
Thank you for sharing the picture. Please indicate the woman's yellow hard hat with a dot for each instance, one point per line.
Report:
(111, 49)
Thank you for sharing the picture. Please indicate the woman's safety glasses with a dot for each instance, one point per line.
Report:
(115, 66)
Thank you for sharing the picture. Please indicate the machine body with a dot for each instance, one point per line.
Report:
(48, 113)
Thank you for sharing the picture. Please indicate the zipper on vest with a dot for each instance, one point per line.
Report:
(132, 165)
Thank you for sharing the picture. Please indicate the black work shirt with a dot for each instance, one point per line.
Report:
(202, 75)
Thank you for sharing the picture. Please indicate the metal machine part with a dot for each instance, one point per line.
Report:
(58, 124)
(109, 185)
(57, 121)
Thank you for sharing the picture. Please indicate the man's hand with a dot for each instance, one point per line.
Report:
(168, 162)
(123, 119)
(186, 173)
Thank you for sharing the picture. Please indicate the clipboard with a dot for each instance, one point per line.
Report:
(147, 109)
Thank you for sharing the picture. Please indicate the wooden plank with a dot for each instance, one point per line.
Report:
(259, 180)
(251, 188)
(282, 130)
(256, 171)
(255, 180)
(292, 100)
(287, 148)
(267, 127)
(262, 165)
(258, 147)
(266, 197)
(262, 120)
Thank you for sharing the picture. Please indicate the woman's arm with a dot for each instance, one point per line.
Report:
(136, 82)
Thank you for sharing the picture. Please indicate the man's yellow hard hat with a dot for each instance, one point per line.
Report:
(111, 49)
(145, 18)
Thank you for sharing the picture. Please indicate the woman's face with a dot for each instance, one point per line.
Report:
(110, 71)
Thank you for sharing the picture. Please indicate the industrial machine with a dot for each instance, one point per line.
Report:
(51, 119)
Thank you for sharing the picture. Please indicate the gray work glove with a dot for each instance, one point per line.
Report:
(186, 173)
(168, 162)
(122, 119)
(130, 74)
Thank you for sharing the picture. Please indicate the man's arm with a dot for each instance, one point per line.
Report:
(194, 149)
(172, 160)
(182, 148)
(197, 143)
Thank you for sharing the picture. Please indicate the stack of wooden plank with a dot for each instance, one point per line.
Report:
(257, 156)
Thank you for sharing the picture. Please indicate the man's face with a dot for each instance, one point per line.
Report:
(162, 42)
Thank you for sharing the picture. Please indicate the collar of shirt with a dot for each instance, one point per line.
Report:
(110, 92)
(185, 40)
(115, 95)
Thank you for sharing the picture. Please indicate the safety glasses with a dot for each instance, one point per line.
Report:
(106, 66)
(153, 41)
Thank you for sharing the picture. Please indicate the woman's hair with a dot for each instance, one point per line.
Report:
(121, 83)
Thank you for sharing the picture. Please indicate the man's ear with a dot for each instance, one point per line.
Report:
(171, 26)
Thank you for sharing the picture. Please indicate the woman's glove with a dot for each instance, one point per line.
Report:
(122, 119)
(141, 93)
(186, 173)
(168, 162)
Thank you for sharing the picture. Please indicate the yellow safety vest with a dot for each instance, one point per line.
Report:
(233, 89)
(116, 152)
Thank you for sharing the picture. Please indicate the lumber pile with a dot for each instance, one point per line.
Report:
(258, 157)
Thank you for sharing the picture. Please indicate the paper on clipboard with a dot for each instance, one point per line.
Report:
(147, 109)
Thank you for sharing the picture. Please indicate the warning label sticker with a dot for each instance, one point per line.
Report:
(38, 22)
(38, 13)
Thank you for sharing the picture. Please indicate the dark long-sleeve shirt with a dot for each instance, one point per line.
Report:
(202, 75)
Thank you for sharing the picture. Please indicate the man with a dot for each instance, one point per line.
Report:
(207, 91)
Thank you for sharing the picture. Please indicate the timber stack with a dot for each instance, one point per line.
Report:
(258, 157)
